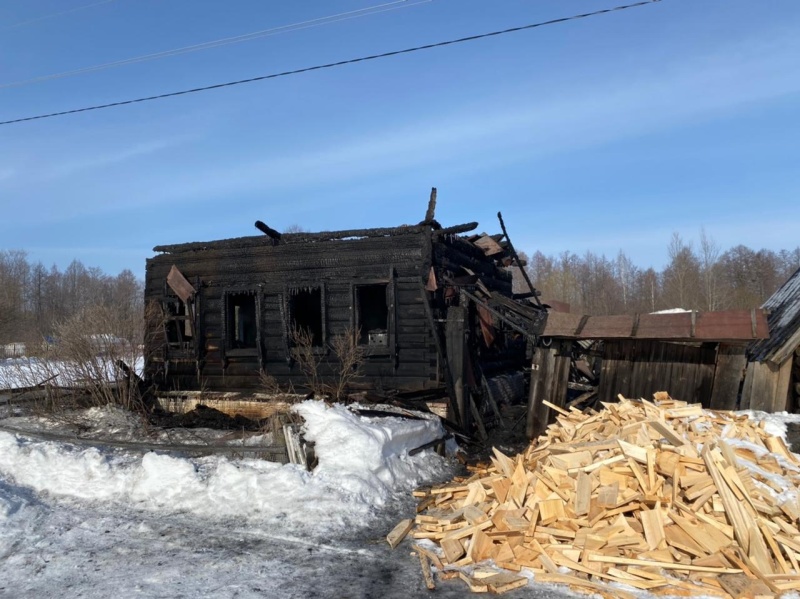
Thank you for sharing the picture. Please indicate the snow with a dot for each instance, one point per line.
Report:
(119, 523)
(98, 523)
(24, 372)
(775, 423)
(363, 464)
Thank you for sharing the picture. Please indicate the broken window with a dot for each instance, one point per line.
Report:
(177, 323)
(306, 311)
(241, 324)
(372, 314)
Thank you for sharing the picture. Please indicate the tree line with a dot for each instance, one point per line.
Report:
(697, 277)
(35, 300)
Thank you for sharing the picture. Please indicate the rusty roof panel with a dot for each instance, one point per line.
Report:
(608, 327)
(731, 324)
(664, 326)
(562, 324)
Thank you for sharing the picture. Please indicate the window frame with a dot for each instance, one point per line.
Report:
(227, 342)
(378, 351)
(289, 316)
(355, 307)
(182, 350)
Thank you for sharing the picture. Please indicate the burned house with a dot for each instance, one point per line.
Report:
(429, 307)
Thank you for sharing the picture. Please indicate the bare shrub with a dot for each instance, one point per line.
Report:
(89, 349)
(349, 354)
(307, 357)
(351, 357)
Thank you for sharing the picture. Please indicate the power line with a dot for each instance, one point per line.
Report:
(318, 22)
(331, 64)
(56, 14)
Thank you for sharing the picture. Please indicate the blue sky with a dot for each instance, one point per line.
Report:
(602, 134)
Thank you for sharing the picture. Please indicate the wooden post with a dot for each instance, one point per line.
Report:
(537, 412)
(549, 377)
(563, 360)
(441, 351)
(728, 375)
(456, 360)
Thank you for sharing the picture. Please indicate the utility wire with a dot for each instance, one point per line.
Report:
(55, 14)
(318, 22)
(330, 64)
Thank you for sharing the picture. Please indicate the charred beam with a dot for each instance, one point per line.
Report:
(431, 206)
(457, 229)
(429, 215)
(516, 259)
(268, 231)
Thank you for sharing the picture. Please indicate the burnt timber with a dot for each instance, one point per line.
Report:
(431, 306)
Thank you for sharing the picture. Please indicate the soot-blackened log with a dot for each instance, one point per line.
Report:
(268, 231)
(429, 214)
(457, 229)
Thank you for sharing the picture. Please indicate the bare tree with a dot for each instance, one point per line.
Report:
(682, 275)
(710, 271)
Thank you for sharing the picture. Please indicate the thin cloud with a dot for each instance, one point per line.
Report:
(507, 128)
(99, 161)
(593, 114)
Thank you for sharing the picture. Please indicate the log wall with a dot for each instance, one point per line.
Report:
(270, 271)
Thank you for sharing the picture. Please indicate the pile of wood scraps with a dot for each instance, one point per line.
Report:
(662, 497)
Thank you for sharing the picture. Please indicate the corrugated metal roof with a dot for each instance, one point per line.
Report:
(784, 323)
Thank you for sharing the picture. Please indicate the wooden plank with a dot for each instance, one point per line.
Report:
(653, 526)
(178, 283)
(453, 549)
(399, 532)
(741, 586)
(504, 582)
(583, 494)
(608, 559)
(669, 433)
(427, 575)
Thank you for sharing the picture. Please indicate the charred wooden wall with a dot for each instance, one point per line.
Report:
(271, 271)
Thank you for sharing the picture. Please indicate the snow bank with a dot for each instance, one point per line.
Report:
(774, 423)
(363, 464)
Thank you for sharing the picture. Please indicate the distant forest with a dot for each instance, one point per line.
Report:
(697, 277)
(34, 300)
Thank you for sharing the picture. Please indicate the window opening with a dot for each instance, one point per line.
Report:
(242, 330)
(305, 307)
(372, 316)
(177, 323)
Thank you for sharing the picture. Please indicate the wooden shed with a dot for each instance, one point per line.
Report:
(772, 382)
(429, 306)
(696, 356)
